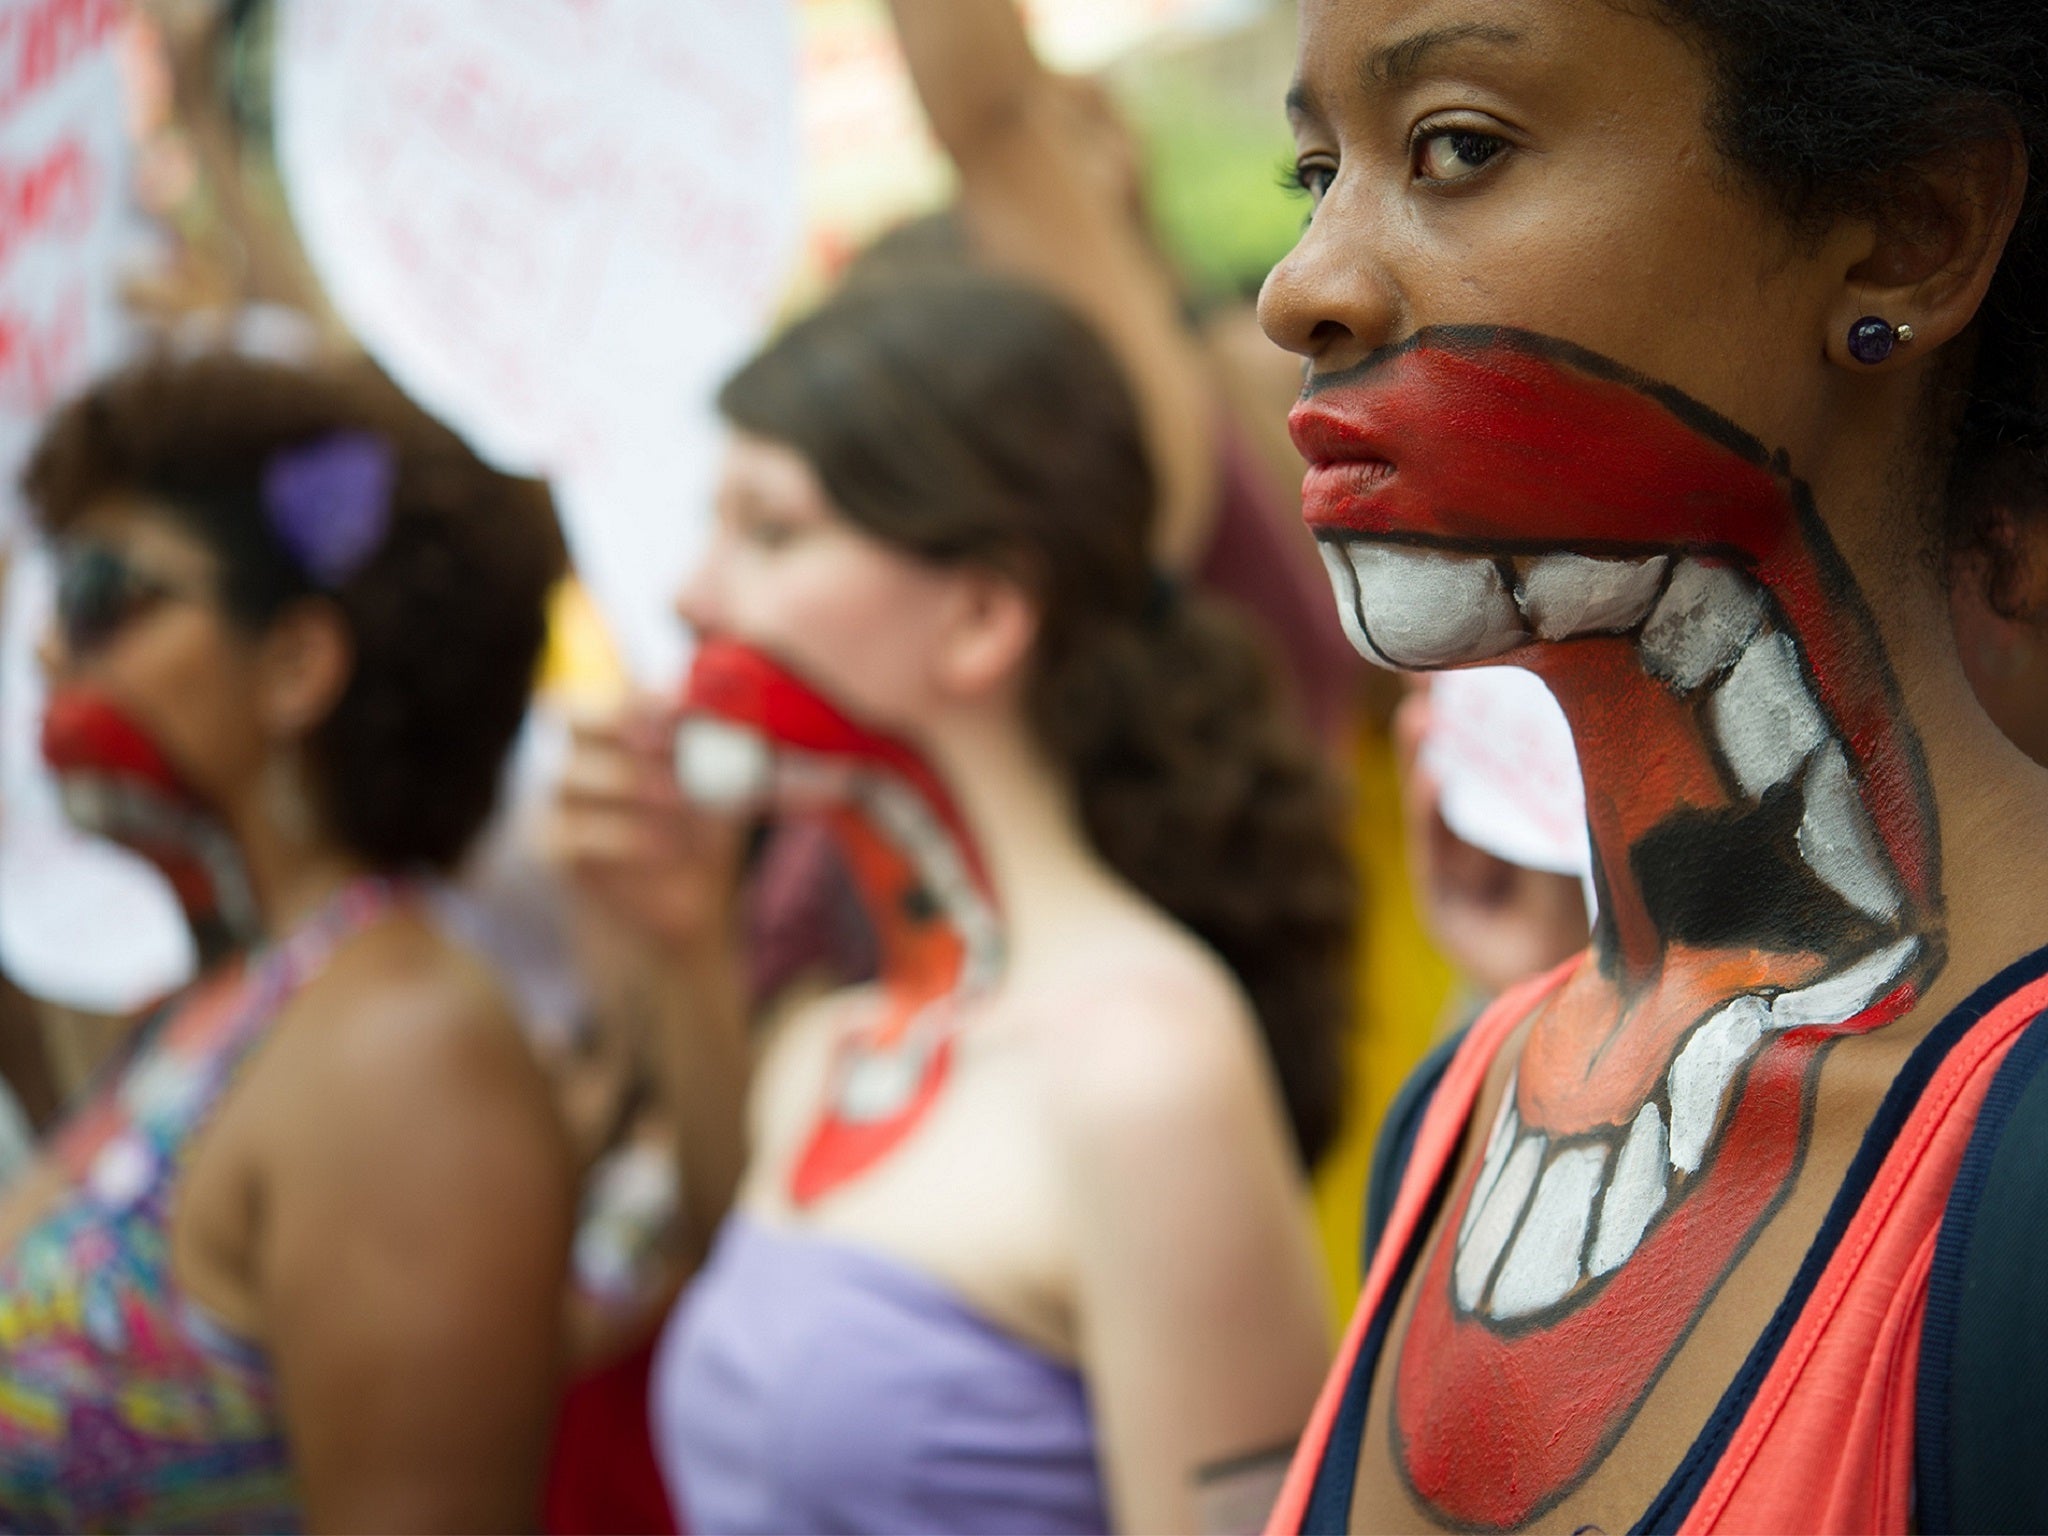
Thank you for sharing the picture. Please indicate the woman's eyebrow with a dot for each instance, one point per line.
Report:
(1402, 61)
(1397, 63)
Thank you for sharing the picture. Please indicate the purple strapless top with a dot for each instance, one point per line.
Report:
(806, 1385)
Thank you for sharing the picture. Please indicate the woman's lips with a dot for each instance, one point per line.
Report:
(1338, 495)
(1348, 465)
(1338, 426)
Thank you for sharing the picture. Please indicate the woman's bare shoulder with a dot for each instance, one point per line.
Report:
(403, 992)
(406, 1033)
(1145, 1026)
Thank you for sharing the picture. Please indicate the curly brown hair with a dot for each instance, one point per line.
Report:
(965, 418)
(446, 617)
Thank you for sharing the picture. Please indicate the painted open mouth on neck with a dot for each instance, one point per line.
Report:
(754, 735)
(115, 781)
(1767, 865)
(1556, 1209)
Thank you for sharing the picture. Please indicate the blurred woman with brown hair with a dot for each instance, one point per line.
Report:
(1019, 1239)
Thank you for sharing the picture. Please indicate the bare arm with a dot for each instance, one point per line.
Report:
(1201, 1316)
(658, 930)
(1045, 198)
(411, 1268)
(686, 1010)
(250, 240)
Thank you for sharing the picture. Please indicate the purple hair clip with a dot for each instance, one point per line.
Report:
(329, 502)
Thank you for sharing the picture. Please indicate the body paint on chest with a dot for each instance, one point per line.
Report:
(1765, 846)
(753, 732)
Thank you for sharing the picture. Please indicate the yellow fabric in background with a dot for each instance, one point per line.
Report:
(1402, 988)
(579, 664)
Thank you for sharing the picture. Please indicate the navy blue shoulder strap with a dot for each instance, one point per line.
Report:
(1981, 1436)
(1396, 1142)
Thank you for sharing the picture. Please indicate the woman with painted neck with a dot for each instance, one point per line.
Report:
(298, 1258)
(1019, 1242)
(1675, 351)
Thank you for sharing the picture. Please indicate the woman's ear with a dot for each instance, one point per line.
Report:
(1936, 246)
(989, 640)
(306, 661)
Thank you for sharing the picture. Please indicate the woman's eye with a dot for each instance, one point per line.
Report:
(766, 533)
(1312, 177)
(1452, 154)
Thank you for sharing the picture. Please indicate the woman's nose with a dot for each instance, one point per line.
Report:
(52, 654)
(696, 601)
(1330, 299)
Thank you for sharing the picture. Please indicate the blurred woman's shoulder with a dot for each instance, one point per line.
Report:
(407, 1030)
(1145, 1023)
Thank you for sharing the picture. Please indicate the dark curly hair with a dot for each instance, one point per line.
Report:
(965, 418)
(1824, 103)
(446, 618)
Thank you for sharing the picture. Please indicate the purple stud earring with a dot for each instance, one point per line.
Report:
(1872, 338)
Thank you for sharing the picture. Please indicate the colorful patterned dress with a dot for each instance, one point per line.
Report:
(123, 1405)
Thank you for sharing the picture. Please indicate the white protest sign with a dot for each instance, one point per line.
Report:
(558, 224)
(63, 212)
(1501, 752)
(81, 922)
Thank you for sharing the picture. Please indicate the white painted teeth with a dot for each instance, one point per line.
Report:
(1424, 608)
(880, 1084)
(1505, 1125)
(1567, 595)
(1707, 615)
(1765, 716)
(1839, 998)
(85, 802)
(116, 809)
(1704, 630)
(721, 763)
(1636, 1194)
(1504, 1205)
(1699, 1078)
(1838, 842)
(909, 822)
(1546, 1218)
(1544, 1263)
(1543, 1218)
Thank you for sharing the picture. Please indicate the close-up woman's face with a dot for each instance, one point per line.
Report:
(1544, 165)
(789, 574)
(140, 622)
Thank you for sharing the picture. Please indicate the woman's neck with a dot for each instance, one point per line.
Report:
(968, 860)
(973, 868)
(1024, 818)
(291, 872)
(1993, 818)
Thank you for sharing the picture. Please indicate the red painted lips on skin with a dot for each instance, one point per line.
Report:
(1485, 436)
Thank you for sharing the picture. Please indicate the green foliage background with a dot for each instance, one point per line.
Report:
(1216, 140)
